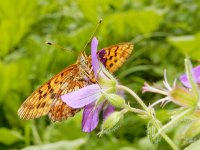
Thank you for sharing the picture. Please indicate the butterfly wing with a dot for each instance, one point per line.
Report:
(41, 101)
(61, 111)
(46, 99)
(114, 56)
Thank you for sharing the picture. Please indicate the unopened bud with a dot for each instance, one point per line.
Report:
(115, 100)
(112, 121)
(183, 97)
(107, 82)
(106, 78)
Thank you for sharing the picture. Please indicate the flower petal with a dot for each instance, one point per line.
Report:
(90, 118)
(95, 62)
(109, 110)
(83, 96)
(196, 74)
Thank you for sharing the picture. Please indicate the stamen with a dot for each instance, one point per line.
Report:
(174, 83)
(165, 82)
(162, 101)
(148, 88)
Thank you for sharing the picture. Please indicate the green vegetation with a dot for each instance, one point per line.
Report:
(163, 32)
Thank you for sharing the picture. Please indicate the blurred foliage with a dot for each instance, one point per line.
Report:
(162, 31)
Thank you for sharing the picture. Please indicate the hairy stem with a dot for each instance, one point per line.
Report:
(149, 113)
(121, 87)
(135, 110)
(174, 120)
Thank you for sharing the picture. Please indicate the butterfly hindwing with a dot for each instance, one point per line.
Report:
(61, 111)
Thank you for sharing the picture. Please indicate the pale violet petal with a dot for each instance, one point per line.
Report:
(83, 96)
(95, 62)
(196, 74)
(90, 118)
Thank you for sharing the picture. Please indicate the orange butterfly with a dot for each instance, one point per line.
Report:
(46, 99)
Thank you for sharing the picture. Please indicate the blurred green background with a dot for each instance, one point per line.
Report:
(162, 31)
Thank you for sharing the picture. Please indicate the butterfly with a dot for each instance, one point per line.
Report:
(47, 98)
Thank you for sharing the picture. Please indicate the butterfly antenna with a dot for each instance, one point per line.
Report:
(95, 31)
(58, 46)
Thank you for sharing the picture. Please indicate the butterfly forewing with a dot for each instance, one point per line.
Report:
(114, 56)
(41, 101)
(46, 99)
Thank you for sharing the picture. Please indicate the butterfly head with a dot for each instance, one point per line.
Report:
(82, 58)
(83, 61)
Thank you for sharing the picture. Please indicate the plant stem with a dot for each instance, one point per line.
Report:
(174, 120)
(36, 136)
(167, 139)
(135, 110)
(153, 119)
(134, 95)
(27, 133)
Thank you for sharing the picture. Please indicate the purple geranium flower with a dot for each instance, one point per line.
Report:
(196, 74)
(178, 95)
(91, 97)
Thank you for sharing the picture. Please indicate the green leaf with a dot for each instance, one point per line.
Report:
(193, 146)
(89, 7)
(131, 22)
(61, 145)
(7, 72)
(15, 23)
(68, 130)
(187, 44)
(144, 143)
(9, 137)
(10, 76)
(192, 130)
(10, 109)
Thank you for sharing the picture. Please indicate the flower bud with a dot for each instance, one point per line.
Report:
(106, 78)
(115, 100)
(183, 97)
(112, 121)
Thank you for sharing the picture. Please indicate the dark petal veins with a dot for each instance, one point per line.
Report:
(101, 55)
(90, 118)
